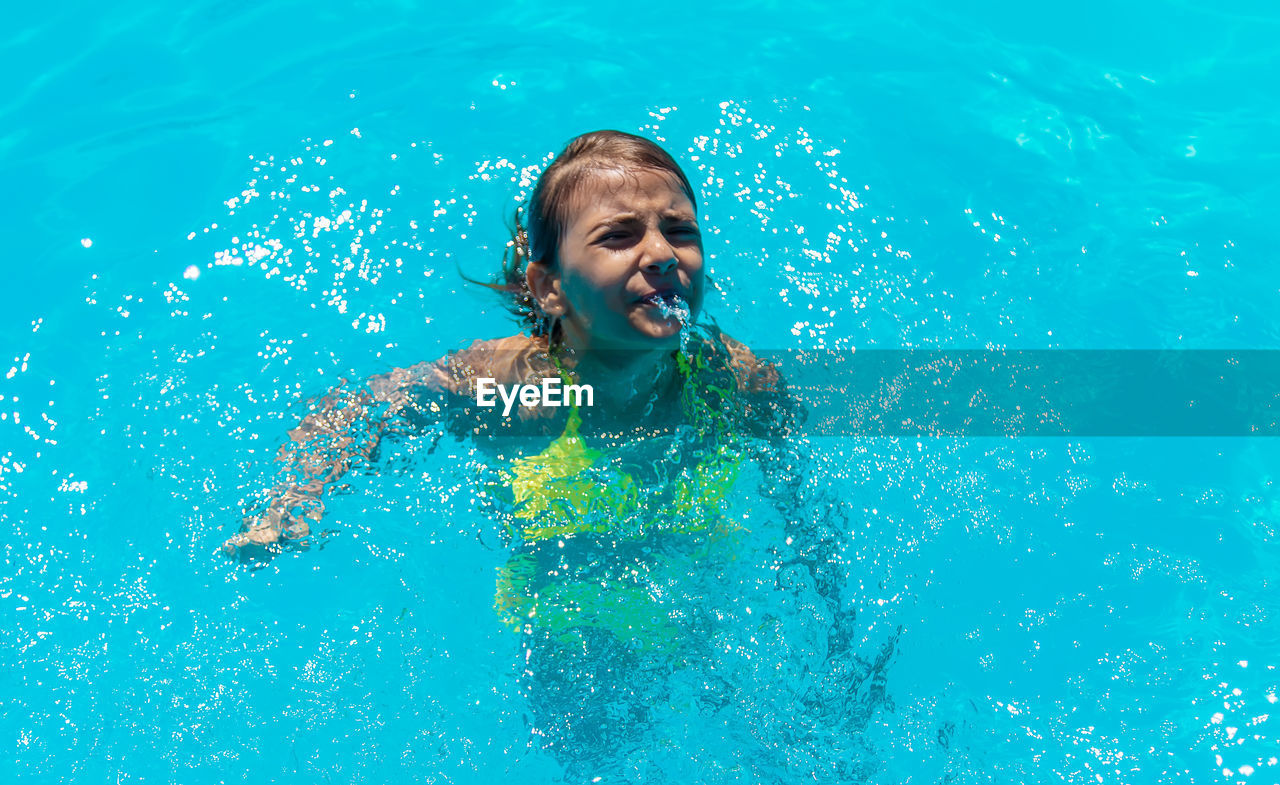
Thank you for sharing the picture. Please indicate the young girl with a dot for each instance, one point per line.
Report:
(618, 527)
(607, 276)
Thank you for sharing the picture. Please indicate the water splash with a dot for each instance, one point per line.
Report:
(675, 307)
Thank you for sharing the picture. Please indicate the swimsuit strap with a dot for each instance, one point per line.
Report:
(575, 419)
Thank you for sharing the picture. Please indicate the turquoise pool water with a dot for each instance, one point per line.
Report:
(182, 275)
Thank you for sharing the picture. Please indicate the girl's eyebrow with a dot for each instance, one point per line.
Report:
(616, 219)
(671, 215)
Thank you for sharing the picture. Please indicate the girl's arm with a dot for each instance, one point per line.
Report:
(343, 429)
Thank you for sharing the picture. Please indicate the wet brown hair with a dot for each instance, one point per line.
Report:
(539, 226)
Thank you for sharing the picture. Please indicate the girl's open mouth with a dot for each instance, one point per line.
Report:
(657, 299)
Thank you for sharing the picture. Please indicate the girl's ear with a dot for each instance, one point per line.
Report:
(544, 285)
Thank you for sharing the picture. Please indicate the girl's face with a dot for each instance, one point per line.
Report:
(632, 240)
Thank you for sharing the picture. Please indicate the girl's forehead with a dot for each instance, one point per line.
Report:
(625, 190)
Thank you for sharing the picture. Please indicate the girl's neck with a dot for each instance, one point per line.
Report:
(621, 379)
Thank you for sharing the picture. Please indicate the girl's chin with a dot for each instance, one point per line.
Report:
(653, 324)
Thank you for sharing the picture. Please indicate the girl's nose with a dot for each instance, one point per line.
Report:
(659, 256)
(661, 267)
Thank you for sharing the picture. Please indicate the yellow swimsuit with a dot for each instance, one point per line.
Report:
(560, 499)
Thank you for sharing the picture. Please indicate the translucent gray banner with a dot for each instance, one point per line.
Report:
(1034, 393)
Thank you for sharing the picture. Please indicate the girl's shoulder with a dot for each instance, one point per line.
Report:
(515, 359)
(509, 360)
(753, 374)
(762, 403)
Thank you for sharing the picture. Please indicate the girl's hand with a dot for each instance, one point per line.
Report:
(262, 538)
